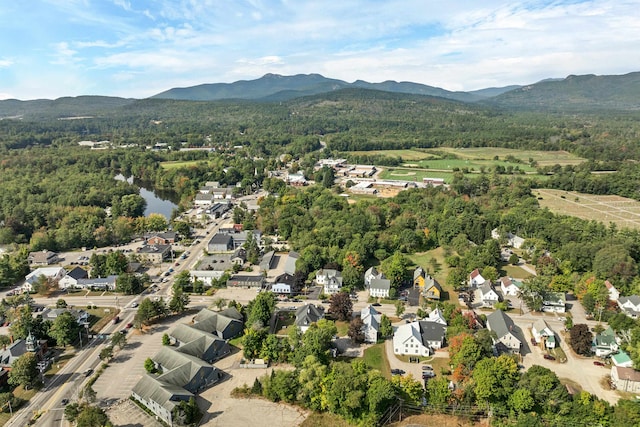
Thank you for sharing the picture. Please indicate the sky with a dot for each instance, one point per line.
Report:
(138, 48)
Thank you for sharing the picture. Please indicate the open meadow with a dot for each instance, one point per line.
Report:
(623, 212)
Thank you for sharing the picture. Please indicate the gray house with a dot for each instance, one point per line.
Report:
(308, 314)
(200, 344)
(507, 336)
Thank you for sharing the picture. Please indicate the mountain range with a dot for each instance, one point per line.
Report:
(573, 93)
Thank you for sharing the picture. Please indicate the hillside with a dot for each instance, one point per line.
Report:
(575, 93)
(66, 107)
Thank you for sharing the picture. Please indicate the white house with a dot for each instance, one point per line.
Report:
(70, 280)
(281, 288)
(436, 316)
(330, 280)
(371, 320)
(370, 274)
(509, 286)
(476, 279)
(554, 302)
(614, 294)
(512, 240)
(488, 295)
(50, 273)
(605, 343)
(630, 305)
(543, 333)
(206, 276)
(379, 288)
(418, 338)
(407, 340)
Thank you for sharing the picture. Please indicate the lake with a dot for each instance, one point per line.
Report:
(162, 202)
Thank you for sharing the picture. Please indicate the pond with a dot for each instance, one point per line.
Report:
(162, 202)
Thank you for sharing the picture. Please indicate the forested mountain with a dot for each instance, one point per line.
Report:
(576, 93)
(61, 107)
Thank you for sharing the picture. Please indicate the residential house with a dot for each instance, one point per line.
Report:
(42, 258)
(225, 324)
(543, 333)
(53, 274)
(239, 256)
(436, 316)
(418, 338)
(432, 289)
(154, 254)
(199, 343)
(308, 314)
(630, 306)
(290, 262)
(246, 280)
(605, 343)
(285, 283)
(379, 288)
(99, 283)
(16, 349)
(371, 320)
(511, 239)
(330, 280)
(622, 359)
(160, 238)
(81, 316)
(625, 379)
(554, 302)
(281, 288)
(70, 280)
(419, 276)
(507, 340)
(476, 279)
(614, 294)
(488, 295)
(509, 286)
(370, 274)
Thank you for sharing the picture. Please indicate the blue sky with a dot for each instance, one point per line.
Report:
(137, 48)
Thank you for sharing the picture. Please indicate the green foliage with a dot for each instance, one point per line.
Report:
(64, 329)
(61, 303)
(399, 308)
(261, 309)
(165, 339)
(106, 353)
(92, 416)
(149, 310)
(129, 284)
(356, 333)
(24, 371)
(118, 339)
(386, 329)
(149, 365)
(179, 300)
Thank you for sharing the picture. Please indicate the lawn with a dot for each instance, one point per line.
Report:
(406, 155)
(284, 320)
(98, 317)
(343, 328)
(376, 358)
(475, 164)
(414, 174)
(515, 272)
(325, 419)
(544, 158)
(179, 164)
(22, 394)
(423, 259)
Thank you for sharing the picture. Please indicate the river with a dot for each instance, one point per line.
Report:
(162, 202)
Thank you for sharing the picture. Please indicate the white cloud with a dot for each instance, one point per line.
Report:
(5, 62)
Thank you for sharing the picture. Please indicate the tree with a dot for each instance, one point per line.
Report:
(457, 278)
(261, 309)
(533, 291)
(179, 300)
(395, 269)
(106, 353)
(218, 303)
(182, 280)
(71, 412)
(356, 331)
(129, 284)
(581, 339)
(490, 273)
(61, 303)
(386, 330)
(399, 308)
(312, 373)
(24, 371)
(252, 342)
(92, 416)
(514, 259)
(495, 378)
(340, 305)
(118, 339)
(316, 341)
(186, 413)
(147, 310)
(64, 329)
(166, 340)
(150, 365)
(156, 222)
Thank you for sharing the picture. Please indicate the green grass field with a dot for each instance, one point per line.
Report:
(472, 164)
(376, 358)
(544, 158)
(179, 164)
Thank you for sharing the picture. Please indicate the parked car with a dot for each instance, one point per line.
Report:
(134, 304)
(427, 368)
(376, 304)
(397, 372)
(116, 320)
(63, 402)
(428, 374)
(598, 363)
(549, 357)
(88, 372)
(129, 325)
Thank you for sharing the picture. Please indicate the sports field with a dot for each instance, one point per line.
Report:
(623, 212)
(179, 164)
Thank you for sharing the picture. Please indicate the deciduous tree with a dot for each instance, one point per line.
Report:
(581, 339)
(24, 371)
(356, 332)
(341, 305)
